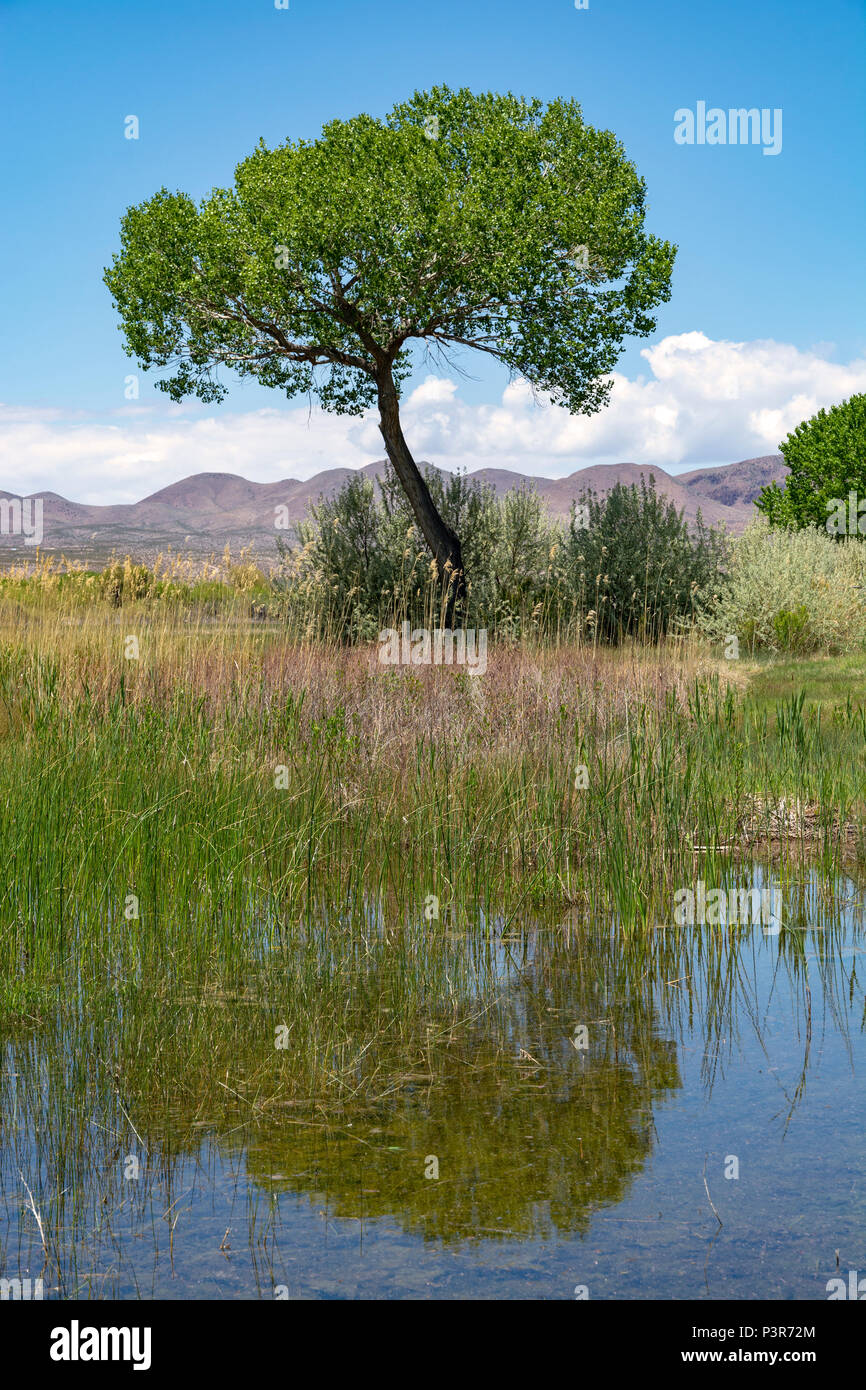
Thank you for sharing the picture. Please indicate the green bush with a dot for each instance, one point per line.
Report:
(793, 629)
(638, 562)
(790, 591)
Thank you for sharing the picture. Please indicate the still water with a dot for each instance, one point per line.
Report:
(678, 1120)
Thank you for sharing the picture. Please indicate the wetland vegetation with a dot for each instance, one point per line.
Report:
(279, 927)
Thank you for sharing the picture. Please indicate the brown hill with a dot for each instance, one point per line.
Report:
(207, 511)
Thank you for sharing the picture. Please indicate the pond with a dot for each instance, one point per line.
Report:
(556, 1112)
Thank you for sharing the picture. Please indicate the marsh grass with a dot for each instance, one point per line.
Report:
(156, 777)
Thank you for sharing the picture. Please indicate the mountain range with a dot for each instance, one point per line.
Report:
(206, 511)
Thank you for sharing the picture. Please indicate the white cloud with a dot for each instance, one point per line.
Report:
(703, 401)
(434, 389)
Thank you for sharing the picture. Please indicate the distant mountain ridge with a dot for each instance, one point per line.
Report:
(207, 511)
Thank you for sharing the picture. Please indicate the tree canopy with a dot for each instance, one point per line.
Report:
(461, 221)
(826, 456)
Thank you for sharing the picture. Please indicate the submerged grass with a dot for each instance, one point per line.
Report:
(399, 1044)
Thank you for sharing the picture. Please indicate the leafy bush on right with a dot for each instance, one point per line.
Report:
(791, 591)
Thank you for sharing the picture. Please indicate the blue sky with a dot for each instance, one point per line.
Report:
(771, 247)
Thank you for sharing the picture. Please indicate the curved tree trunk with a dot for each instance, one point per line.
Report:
(443, 543)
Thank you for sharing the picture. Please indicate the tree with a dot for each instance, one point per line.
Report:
(461, 220)
(826, 457)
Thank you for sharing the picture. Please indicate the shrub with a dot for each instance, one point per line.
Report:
(790, 591)
(361, 564)
(639, 562)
